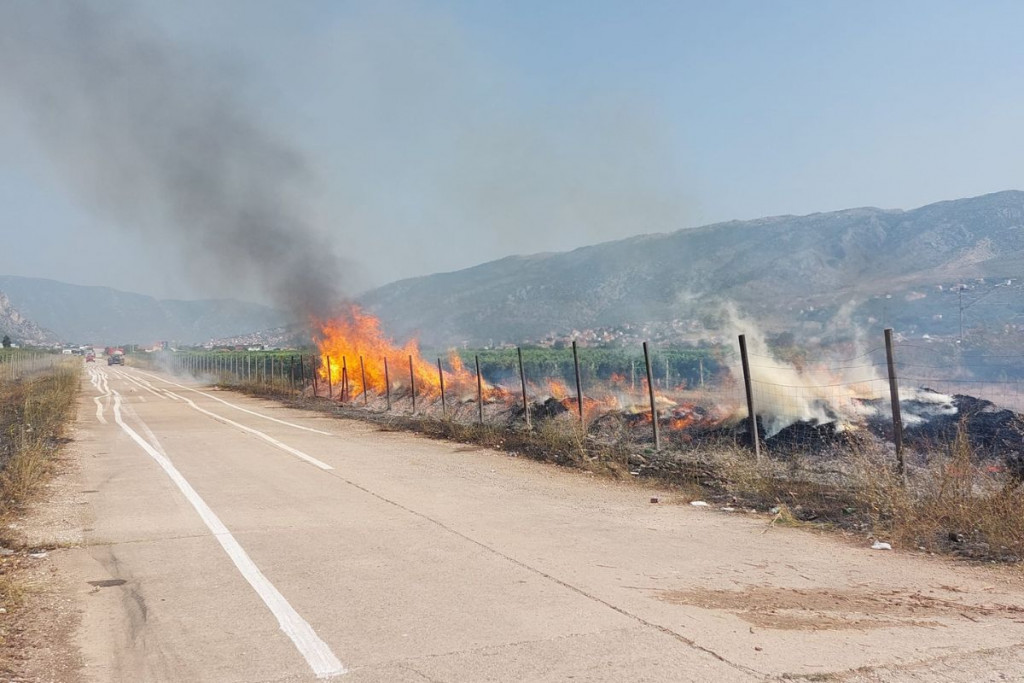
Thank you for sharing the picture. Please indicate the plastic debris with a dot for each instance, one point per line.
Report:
(728, 509)
(38, 556)
(880, 545)
(698, 503)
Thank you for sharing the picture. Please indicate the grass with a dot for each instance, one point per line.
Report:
(34, 417)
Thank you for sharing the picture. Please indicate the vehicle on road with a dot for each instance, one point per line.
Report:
(115, 359)
(90, 358)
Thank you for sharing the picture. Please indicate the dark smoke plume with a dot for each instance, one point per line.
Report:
(156, 140)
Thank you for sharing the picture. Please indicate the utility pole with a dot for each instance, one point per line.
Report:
(960, 297)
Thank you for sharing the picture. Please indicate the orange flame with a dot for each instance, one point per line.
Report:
(356, 334)
(558, 389)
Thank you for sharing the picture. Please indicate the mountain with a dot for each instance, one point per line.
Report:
(103, 315)
(794, 272)
(20, 329)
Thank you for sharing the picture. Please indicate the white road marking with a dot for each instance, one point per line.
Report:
(316, 652)
(144, 385)
(237, 407)
(257, 433)
(96, 378)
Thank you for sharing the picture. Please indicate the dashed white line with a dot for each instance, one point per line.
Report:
(236, 407)
(315, 651)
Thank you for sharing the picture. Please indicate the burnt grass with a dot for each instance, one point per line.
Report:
(962, 498)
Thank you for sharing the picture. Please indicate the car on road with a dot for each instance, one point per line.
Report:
(90, 358)
(115, 359)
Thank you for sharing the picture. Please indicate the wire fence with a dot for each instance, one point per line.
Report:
(811, 401)
(20, 364)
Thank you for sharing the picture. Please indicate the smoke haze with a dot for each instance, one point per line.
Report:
(159, 142)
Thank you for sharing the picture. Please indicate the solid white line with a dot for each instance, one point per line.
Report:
(236, 407)
(255, 432)
(316, 652)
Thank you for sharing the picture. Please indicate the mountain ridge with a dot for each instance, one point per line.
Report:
(97, 314)
(771, 267)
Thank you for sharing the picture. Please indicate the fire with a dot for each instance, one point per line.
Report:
(557, 389)
(356, 337)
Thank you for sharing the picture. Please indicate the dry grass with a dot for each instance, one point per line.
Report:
(34, 416)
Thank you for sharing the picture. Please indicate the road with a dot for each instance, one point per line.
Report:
(226, 538)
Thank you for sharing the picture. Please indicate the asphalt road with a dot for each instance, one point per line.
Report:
(227, 539)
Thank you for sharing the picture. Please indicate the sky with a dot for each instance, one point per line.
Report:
(385, 140)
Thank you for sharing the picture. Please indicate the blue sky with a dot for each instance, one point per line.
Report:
(443, 134)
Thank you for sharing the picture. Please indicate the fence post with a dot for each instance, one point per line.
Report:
(749, 389)
(650, 392)
(479, 391)
(440, 377)
(330, 382)
(894, 399)
(412, 384)
(345, 395)
(302, 371)
(362, 372)
(313, 362)
(387, 383)
(522, 382)
(579, 390)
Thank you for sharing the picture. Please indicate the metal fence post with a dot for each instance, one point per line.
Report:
(749, 389)
(479, 391)
(440, 377)
(650, 392)
(412, 384)
(894, 399)
(522, 382)
(579, 390)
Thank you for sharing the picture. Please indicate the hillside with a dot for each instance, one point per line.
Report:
(792, 272)
(21, 330)
(108, 316)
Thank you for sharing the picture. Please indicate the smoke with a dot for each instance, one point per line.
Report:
(159, 141)
(821, 392)
(827, 388)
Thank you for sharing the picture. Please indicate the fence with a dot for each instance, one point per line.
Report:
(18, 364)
(811, 401)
